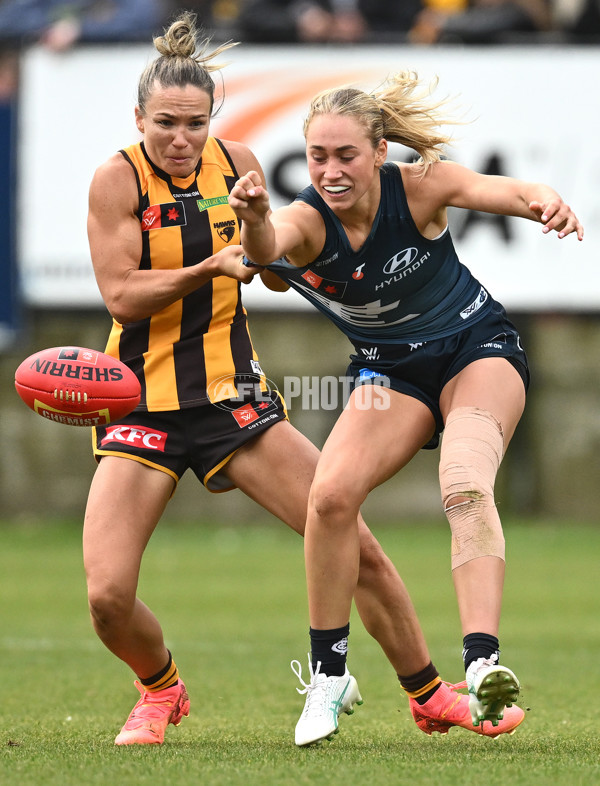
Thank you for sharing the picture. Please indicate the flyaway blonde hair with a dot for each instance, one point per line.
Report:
(398, 111)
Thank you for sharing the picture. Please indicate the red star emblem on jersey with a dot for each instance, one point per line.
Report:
(331, 290)
(263, 405)
(173, 214)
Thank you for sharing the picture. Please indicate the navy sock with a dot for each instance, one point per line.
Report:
(330, 648)
(479, 645)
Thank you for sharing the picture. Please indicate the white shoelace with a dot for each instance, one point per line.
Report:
(297, 669)
(316, 690)
(477, 666)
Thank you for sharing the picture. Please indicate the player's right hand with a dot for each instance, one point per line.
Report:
(249, 199)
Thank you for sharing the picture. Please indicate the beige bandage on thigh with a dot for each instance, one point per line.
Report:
(472, 449)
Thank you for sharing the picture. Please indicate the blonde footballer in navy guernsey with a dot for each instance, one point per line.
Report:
(368, 244)
(396, 293)
(399, 286)
(163, 242)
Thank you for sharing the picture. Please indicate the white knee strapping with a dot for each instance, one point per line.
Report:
(472, 449)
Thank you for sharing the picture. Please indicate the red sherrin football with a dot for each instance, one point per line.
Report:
(77, 386)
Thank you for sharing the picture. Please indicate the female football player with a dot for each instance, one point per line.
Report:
(368, 244)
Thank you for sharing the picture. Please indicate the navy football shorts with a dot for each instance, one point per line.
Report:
(202, 438)
(421, 369)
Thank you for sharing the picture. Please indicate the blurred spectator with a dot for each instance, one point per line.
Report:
(566, 13)
(58, 24)
(586, 25)
(313, 21)
(481, 22)
(215, 17)
(9, 308)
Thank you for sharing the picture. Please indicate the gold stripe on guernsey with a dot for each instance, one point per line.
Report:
(218, 358)
(165, 325)
(112, 345)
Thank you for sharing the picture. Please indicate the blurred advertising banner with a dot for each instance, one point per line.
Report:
(529, 112)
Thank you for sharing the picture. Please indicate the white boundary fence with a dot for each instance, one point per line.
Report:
(535, 115)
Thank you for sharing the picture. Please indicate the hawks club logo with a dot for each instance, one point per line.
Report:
(225, 229)
(171, 214)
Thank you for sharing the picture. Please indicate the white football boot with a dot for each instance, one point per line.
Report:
(326, 699)
(491, 688)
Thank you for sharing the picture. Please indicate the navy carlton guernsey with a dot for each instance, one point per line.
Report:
(399, 286)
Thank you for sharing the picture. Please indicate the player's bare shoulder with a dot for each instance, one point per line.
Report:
(433, 182)
(113, 183)
(243, 158)
(114, 167)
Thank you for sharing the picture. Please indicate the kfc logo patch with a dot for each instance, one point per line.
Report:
(138, 436)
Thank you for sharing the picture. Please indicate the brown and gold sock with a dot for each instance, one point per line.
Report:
(165, 678)
(422, 685)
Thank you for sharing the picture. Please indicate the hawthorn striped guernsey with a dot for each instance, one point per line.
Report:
(179, 351)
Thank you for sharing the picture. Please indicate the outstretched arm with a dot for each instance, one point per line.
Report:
(448, 184)
(511, 197)
(250, 202)
(295, 231)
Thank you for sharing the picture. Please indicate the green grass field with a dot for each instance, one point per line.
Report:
(232, 604)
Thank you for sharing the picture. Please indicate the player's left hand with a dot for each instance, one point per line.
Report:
(558, 216)
(228, 262)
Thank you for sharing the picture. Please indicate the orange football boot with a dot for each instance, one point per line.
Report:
(447, 707)
(152, 714)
